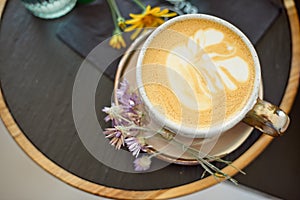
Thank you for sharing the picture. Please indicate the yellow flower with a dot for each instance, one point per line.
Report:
(117, 41)
(149, 18)
(121, 23)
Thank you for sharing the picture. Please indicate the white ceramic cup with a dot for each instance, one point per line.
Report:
(260, 114)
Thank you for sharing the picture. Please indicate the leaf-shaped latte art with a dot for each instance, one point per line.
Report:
(198, 69)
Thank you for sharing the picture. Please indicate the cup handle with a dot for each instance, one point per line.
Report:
(267, 118)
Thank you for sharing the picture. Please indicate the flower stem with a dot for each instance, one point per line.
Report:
(206, 164)
(140, 4)
(115, 8)
(147, 129)
(155, 154)
(114, 17)
(126, 120)
(209, 167)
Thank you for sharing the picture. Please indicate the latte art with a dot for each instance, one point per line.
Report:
(199, 72)
(205, 69)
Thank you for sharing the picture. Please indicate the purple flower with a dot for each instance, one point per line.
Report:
(142, 163)
(135, 145)
(126, 97)
(130, 100)
(116, 136)
(124, 87)
(129, 110)
(113, 112)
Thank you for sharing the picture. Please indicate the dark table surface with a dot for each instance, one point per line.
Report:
(37, 74)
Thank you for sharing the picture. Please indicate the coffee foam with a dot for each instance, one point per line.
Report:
(199, 72)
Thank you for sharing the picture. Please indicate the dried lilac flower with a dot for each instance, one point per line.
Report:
(116, 136)
(114, 112)
(129, 119)
(142, 163)
(136, 117)
(130, 100)
(126, 97)
(126, 117)
(135, 145)
(124, 87)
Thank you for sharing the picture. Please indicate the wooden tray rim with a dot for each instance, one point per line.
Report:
(241, 162)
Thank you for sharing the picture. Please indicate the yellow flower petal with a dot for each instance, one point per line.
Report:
(132, 21)
(145, 30)
(148, 8)
(159, 21)
(117, 41)
(122, 42)
(139, 16)
(159, 14)
(131, 28)
(170, 14)
(155, 10)
(136, 33)
(112, 41)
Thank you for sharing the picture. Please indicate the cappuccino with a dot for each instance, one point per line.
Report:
(198, 72)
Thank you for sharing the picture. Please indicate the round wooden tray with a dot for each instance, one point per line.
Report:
(241, 162)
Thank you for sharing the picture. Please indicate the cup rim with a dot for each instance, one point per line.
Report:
(206, 131)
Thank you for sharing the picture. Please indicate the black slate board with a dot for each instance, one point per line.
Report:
(37, 74)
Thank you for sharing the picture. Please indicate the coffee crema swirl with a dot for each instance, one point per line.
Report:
(198, 72)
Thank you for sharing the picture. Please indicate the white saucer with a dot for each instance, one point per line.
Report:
(225, 144)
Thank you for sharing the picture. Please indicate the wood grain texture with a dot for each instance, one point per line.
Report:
(2, 5)
(292, 87)
(96, 189)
